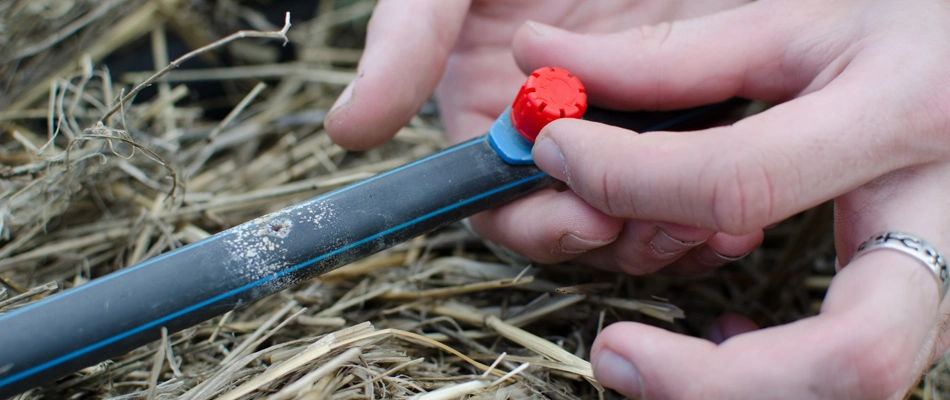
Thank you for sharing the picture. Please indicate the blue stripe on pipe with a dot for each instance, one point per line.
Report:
(222, 235)
(157, 322)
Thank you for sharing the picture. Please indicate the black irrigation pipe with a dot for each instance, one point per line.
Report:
(127, 309)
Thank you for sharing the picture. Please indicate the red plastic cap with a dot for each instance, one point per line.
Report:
(547, 95)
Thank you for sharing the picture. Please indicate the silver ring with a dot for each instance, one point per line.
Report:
(913, 246)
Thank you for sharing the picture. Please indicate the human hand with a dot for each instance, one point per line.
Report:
(864, 117)
(410, 44)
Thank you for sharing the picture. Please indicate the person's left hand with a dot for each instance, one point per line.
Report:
(864, 118)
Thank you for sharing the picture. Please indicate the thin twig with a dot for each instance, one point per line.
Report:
(281, 34)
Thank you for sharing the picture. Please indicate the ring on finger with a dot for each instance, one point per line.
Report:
(912, 246)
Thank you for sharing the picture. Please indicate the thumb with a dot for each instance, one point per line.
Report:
(733, 179)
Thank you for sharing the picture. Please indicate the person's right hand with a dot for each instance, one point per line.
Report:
(464, 48)
(862, 116)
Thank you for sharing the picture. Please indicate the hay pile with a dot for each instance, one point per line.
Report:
(100, 168)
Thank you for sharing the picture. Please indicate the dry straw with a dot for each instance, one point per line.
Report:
(95, 177)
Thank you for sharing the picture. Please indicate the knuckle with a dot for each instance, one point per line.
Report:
(934, 121)
(611, 192)
(742, 198)
(656, 34)
(654, 38)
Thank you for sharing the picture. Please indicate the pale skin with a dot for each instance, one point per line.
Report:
(863, 117)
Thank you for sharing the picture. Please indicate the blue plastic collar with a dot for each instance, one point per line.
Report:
(508, 143)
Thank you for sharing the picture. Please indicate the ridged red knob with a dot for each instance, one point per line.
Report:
(547, 95)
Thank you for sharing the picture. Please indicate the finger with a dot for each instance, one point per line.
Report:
(697, 61)
(481, 80)
(912, 200)
(864, 344)
(554, 226)
(646, 246)
(407, 45)
(719, 250)
(548, 226)
(875, 333)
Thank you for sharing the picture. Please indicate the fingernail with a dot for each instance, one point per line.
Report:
(344, 96)
(542, 30)
(548, 157)
(664, 244)
(711, 257)
(573, 244)
(617, 373)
